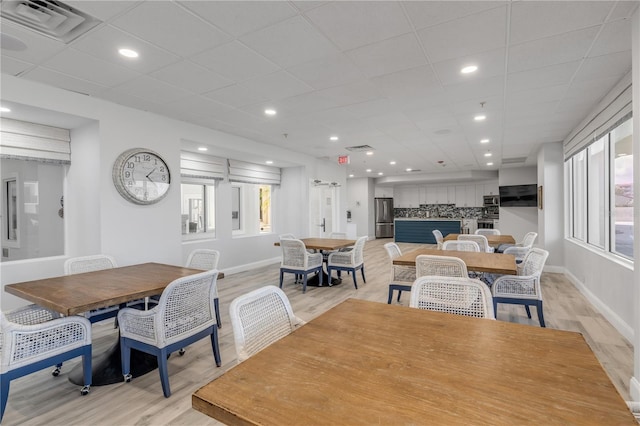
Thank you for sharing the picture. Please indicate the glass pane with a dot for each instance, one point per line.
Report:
(579, 195)
(265, 208)
(596, 181)
(211, 209)
(622, 211)
(192, 209)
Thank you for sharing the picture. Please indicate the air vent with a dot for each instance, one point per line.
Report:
(359, 148)
(514, 160)
(414, 170)
(50, 18)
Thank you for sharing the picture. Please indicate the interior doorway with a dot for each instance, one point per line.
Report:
(323, 208)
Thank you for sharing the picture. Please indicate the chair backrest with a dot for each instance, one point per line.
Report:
(393, 250)
(533, 262)
(528, 239)
(203, 259)
(439, 237)
(480, 239)
(460, 245)
(454, 295)
(186, 307)
(338, 235)
(294, 253)
(358, 250)
(78, 265)
(446, 266)
(260, 318)
(485, 231)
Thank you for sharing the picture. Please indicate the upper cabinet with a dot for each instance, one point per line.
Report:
(406, 196)
(464, 195)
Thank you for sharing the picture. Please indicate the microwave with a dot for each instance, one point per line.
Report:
(491, 200)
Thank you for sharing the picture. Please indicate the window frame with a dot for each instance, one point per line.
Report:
(209, 201)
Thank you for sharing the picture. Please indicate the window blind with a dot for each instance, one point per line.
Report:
(29, 141)
(201, 166)
(614, 108)
(241, 171)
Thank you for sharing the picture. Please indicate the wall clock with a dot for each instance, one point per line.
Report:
(141, 176)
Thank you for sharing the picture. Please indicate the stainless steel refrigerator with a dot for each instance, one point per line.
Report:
(384, 217)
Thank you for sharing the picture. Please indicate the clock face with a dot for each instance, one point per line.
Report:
(141, 176)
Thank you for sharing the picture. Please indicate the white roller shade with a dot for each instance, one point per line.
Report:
(201, 166)
(241, 171)
(614, 108)
(29, 141)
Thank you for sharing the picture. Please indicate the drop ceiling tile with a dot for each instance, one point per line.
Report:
(171, 27)
(105, 42)
(623, 9)
(466, 36)
(306, 103)
(103, 10)
(354, 24)
(490, 64)
(388, 56)
(63, 81)
(152, 90)
(327, 72)
(553, 75)
(126, 99)
(615, 37)
(39, 48)
(537, 95)
(427, 13)
(591, 91)
(235, 61)
(369, 108)
(236, 96)
(353, 93)
(241, 17)
(290, 43)
(192, 77)
(551, 50)
(612, 65)
(13, 66)
(478, 90)
(199, 106)
(417, 82)
(86, 67)
(531, 20)
(278, 85)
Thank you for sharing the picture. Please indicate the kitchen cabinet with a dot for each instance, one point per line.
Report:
(439, 195)
(406, 196)
(465, 196)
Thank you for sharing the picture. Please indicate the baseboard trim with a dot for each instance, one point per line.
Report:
(634, 389)
(615, 320)
(249, 266)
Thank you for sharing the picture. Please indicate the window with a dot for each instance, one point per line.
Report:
(251, 208)
(265, 208)
(600, 192)
(198, 210)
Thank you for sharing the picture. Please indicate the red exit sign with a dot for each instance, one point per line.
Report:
(343, 159)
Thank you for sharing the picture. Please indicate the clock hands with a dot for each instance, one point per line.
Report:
(147, 176)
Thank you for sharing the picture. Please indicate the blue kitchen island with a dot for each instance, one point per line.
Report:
(410, 230)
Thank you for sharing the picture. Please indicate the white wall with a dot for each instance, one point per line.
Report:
(551, 216)
(358, 203)
(98, 219)
(517, 221)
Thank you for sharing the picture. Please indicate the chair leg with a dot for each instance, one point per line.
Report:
(526, 307)
(304, 283)
(540, 314)
(164, 372)
(390, 295)
(362, 271)
(125, 357)
(86, 370)
(216, 306)
(355, 283)
(281, 276)
(4, 394)
(399, 294)
(216, 347)
(329, 270)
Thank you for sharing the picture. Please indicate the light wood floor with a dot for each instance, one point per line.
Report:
(40, 399)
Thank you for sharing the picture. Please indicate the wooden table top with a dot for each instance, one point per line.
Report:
(78, 293)
(371, 363)
(494, 263)
(324, 244)
(493, 240)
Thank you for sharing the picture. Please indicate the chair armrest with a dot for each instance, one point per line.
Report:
(517, 286)
(137, 324)
(314, 259)
(31, 314)
(342, 258)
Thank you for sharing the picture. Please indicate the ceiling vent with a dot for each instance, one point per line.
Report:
(359, 148)
(514, 160)
(50, 18)
(414, 170)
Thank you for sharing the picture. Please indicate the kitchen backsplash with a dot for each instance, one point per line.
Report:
(444, 210)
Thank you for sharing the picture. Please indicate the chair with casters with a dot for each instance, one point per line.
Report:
(33, 338)
(454, 295)
(259, 318)
(524, 288)
(298, 261)
(480, 239)
(99, 262)
(402, 277)
(446, 266)
(486, 231)
(207, 259)
(461, 245)
(439, 238)
(184, 315)
(348, 261)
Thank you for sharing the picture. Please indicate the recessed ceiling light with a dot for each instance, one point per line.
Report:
(487, 154)
(270, 111)
(393, 163)
(5, 109)
(369, 152)
(380, 173)
(269, 162)
(480, 117)
(128, 53)
(469, 69)
(489, 164)
(351, 175)
(333, 138)
(368, 170)
(203, 148)
(408, 170)
(484, 140)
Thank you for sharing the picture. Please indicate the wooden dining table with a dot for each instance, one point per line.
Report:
(493, 240)
(367, 363)
(79, 293)
(494, 263)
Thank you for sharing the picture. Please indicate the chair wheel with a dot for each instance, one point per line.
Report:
(127, 378)
(55, 372)
(181, 352)
(85, 390)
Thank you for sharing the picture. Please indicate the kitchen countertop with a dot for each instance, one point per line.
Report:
(428, 218)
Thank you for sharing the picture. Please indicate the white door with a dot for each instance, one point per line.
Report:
(323, 209)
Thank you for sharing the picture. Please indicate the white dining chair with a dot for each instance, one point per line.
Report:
(207, 259)
(448, 266)
(439, 238)
(454, 295)
(350, 261)
(480, 239)
(487, 231)
(461, 245)
(402, 277)
(297, 260)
